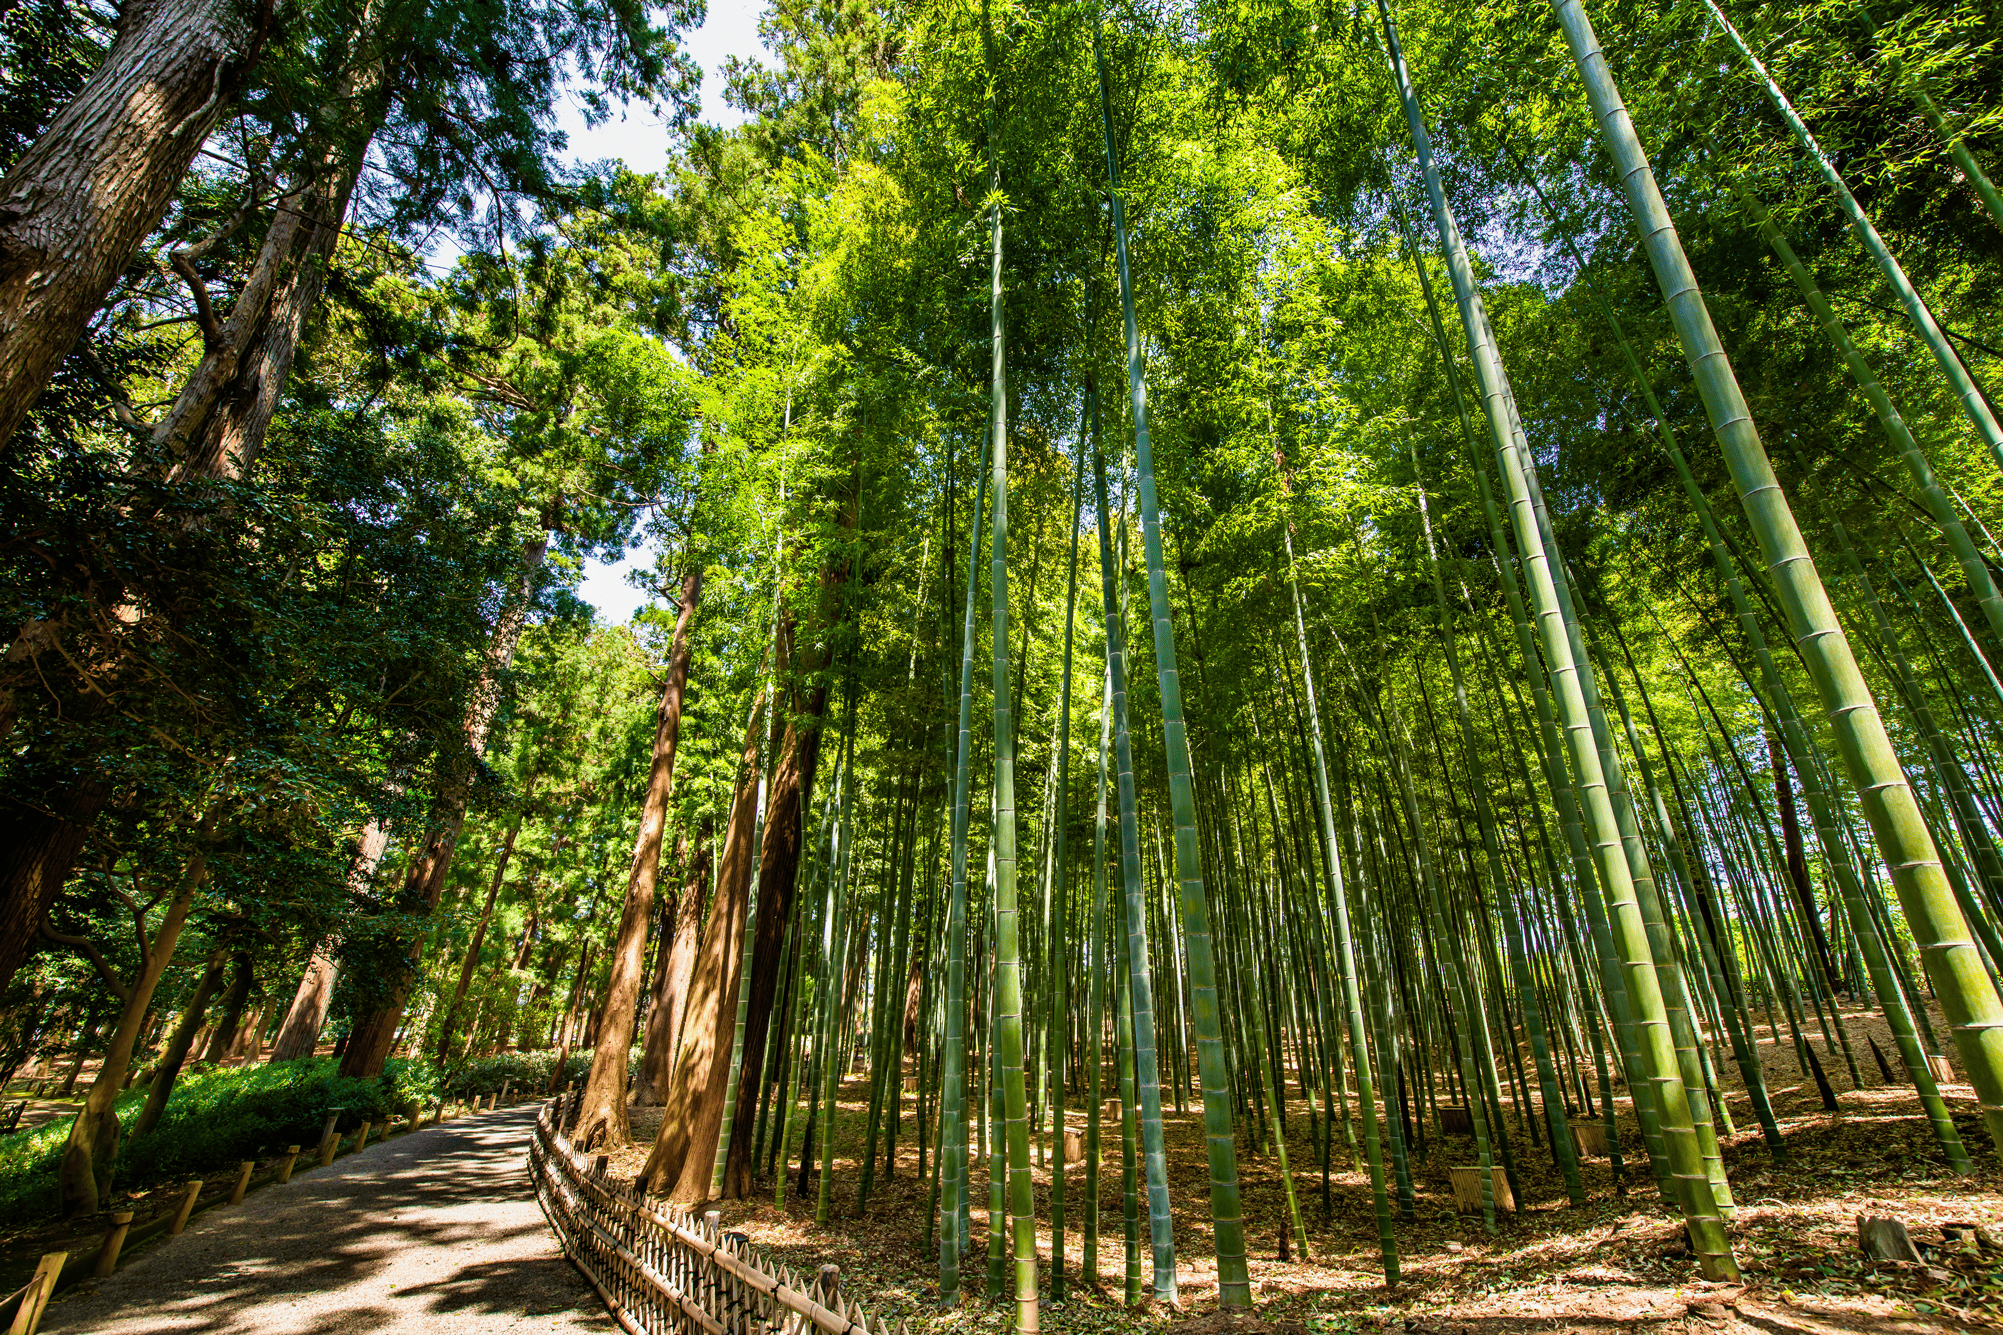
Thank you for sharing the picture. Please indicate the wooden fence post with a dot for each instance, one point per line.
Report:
(243, 1181)
(285, 1169)
(107, 1255)
(329, 1136)
(40, 1289)
(362, 1137)
(187, 1208)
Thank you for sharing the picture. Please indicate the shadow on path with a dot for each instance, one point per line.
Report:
(437, 1231)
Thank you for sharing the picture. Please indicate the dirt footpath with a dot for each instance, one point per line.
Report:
(435, 1232)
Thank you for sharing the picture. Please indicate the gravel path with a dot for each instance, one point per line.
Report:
(437, 1231)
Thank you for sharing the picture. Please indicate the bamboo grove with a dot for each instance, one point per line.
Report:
(1327, 572)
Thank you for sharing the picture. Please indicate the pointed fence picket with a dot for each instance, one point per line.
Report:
(664, 1271)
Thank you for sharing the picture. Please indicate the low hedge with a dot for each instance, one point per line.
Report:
(526, 1072)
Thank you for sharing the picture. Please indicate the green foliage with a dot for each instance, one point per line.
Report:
(215, 1120)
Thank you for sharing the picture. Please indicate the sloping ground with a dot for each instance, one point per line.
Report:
(1614, 1266)
(436, 1231)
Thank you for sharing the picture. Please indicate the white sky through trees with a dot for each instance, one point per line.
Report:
(637, 137)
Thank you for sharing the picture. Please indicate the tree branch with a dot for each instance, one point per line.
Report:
(85, 947)
(205, 311)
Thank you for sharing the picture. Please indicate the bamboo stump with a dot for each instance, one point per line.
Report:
(1943, 1070)
(1591, 1139)
(1074, 1147)
(1467, 1188)
(1455, 1121)
(1885, 1240)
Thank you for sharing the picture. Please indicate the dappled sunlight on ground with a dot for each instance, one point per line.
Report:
(1618, 1264)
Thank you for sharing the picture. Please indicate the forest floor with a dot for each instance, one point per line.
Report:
(1616, 1265)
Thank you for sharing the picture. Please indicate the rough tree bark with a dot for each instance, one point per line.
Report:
(779, 861)
(299, 1033)
(683, 1158)
(79, 202)
(602, 1113)
(664, 1017)
(38, 847)
(374, 1034)
(217, 424)
(215, 427)
(778, 870)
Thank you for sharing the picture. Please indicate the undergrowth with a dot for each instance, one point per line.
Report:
(216, 1119)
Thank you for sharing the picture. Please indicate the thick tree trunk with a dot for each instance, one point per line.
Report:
(374, 1034)
(664, 1016)
(78, 203)
(779, 861)
(176, 1055)
(223, 1042)
(602, 1114)
(778, 871)
(217, 423)
(307, 1015)
(683, 1159)
(93, 1144)
(38, 847)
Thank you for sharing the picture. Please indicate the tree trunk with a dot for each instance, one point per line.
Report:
(779, 859)
(664, 1017)
(304, 1018)
(93, 1144)
(553, 958)
(217, 423)
(37, 849)
(1797, 864)
(299, 1034)
(778, 870)
(684, 1152)
(223, 1042)
(171, 1061)
(78, 203)
(478, 943)
(374, 1034)
(567, 1027)
(602, 1115)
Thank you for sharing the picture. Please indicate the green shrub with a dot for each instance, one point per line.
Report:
(526, 1073)
(215, 1120)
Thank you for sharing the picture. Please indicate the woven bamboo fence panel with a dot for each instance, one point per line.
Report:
(664, 1271)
